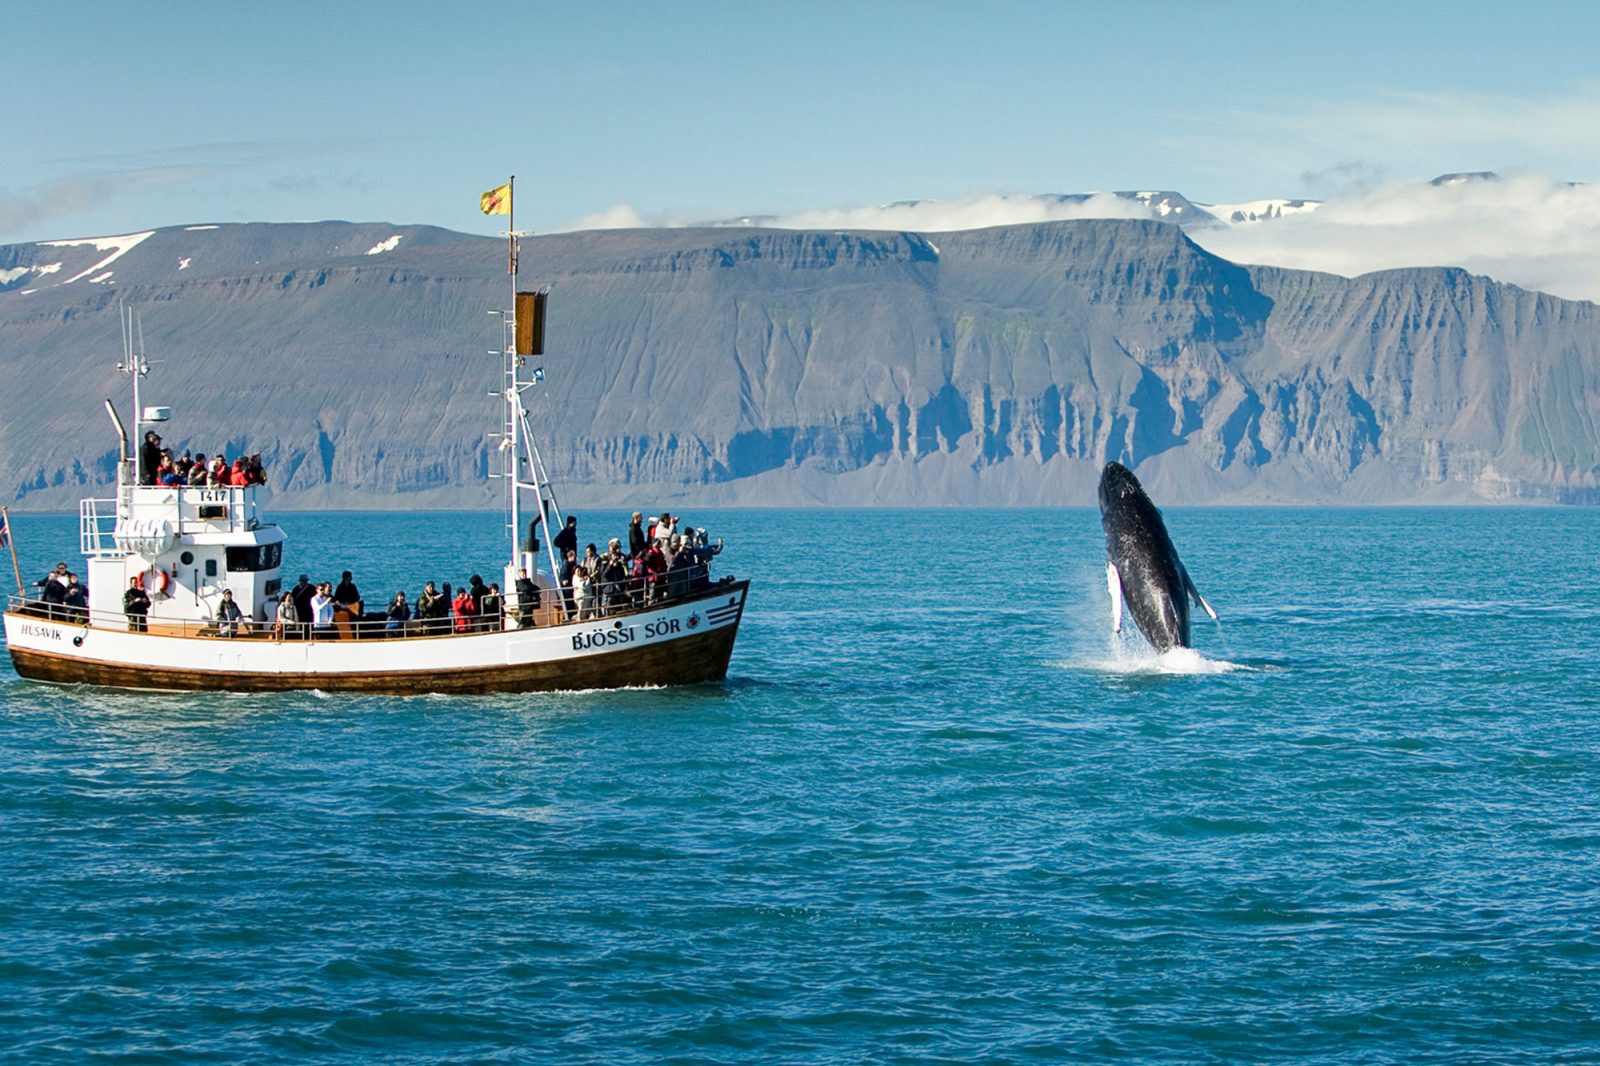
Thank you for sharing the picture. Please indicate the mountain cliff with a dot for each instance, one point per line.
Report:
(752, 366)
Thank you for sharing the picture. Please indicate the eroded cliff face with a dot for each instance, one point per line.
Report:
(775, 367)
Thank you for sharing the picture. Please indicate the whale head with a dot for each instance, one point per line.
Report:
(1117, 484)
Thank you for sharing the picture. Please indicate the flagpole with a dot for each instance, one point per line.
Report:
(11, 542)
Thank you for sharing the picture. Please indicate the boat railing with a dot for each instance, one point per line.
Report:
(177, 509)
(635, 596)
(97, 527)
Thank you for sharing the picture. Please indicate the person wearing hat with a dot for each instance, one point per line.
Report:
(149, 457)
(228, 615)
(614, 578)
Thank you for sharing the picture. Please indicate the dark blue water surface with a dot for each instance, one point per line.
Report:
(936, 813)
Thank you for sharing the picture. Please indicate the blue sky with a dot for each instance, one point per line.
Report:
(125, 117)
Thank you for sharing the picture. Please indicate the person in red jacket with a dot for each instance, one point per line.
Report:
(655, 569)
(464, 613)
(237, 477)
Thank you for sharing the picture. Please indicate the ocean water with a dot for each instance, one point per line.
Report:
(936, 813)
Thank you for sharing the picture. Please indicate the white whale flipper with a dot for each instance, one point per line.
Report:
(1114, 585)
(1198, 599)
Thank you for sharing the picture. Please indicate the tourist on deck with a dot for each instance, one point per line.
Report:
(75, 598)
(322, 627)
(347, 595)
(197, 472)
(220, 475)
(638, 579)
(636, 537)
(53, 592)
(228, 615)
(567, 539)
(398, 614)
(678, 573)
(236, 475)
(583, 592)
(430, 609)
(302, 594)
(613, 578)
(476, 591)
(700, 555)
(149, 457)
(663, 528)
(527, 599)
(136, 605)
(255, 473)
(569, 566)
(58, 576)
(655, 572)
(287, 624)
(465, 616)
(491, 611)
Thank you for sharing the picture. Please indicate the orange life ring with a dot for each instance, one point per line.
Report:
(154, 582)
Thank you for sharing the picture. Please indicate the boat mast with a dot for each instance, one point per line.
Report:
(517, 438)
(136, 366)
(513, 390)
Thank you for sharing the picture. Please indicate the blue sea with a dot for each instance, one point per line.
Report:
(937, 813)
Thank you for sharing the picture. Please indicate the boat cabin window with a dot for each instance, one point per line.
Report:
(211, 568)
(187, 558)
(255, 557)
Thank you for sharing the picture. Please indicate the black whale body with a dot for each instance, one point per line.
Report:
(1142, 567)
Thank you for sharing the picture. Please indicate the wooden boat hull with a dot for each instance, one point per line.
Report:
(683, 643)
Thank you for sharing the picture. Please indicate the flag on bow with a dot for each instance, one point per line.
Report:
(496, 201)
(5, 530)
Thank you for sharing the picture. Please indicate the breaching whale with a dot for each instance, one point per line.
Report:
(1142, 567)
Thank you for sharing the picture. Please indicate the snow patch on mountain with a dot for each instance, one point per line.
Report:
(118, 246)
(385, 246)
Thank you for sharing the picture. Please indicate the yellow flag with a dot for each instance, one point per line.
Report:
(496, 201)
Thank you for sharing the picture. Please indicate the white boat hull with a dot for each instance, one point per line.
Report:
(683, 642)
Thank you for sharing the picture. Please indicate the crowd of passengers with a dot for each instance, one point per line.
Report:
(61, 596)
(158, 466)
(662, 563)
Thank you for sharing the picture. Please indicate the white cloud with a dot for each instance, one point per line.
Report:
(619, 217)
(974, 212)
(1527, 229)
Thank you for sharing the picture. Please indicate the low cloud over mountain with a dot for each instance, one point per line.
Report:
(1527, 229)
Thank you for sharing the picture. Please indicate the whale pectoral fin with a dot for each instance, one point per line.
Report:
(1194, 593)
(1114, 586)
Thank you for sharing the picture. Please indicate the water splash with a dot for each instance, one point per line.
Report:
(1178, 661)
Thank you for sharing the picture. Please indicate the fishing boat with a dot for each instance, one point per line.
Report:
(187, 549)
